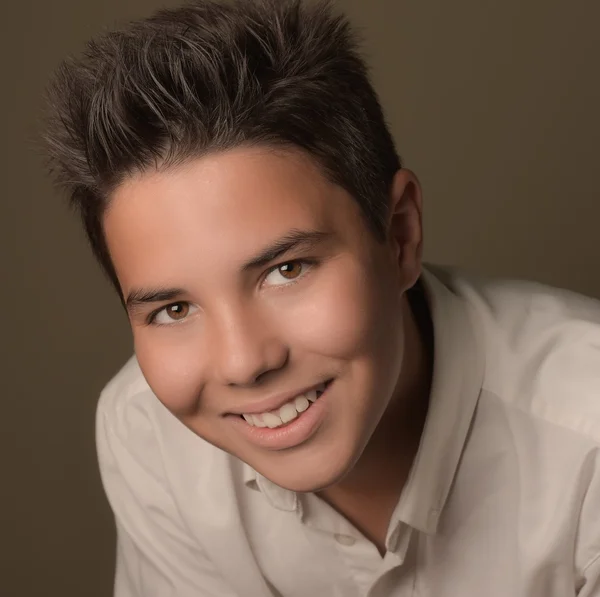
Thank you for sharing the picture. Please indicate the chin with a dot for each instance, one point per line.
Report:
(306, 484)
(311, 475)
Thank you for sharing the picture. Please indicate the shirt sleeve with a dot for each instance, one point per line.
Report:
(156, 556)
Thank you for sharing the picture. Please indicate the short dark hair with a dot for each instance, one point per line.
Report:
(208, 77)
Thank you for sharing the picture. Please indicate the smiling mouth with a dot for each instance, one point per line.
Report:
(287, 413)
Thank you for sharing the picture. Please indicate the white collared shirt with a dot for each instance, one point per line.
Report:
(503, 499)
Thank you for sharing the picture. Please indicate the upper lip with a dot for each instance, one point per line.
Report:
(273, 402)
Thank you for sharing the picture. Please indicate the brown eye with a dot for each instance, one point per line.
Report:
(290, 270)
(177, 311)
(289, 273)
(172, 314)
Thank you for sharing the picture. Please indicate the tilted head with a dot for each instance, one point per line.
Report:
(193, 141)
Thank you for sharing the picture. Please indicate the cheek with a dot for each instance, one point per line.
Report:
(358, 322)
(346, 316)
(170, 368)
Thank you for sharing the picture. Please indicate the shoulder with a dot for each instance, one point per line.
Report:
(542, 349)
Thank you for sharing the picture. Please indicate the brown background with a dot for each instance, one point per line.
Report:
(493, 104)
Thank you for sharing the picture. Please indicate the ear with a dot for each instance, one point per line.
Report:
(405, 226)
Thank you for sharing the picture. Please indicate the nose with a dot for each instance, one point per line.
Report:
(245, 348)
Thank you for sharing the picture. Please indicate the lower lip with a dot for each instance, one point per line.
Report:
(296, 432)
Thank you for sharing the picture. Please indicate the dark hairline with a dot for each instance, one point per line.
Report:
(276, 72)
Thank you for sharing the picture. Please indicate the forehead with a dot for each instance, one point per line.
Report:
(226, 204)
(224, 186)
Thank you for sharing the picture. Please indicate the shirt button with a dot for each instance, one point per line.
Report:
(345, 540)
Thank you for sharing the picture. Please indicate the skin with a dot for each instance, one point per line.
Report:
(236, 336)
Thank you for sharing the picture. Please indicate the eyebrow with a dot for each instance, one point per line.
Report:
(141, 296)
(295, 239)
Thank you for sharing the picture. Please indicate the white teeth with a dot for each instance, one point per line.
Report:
(301, 403)
(311, 396)
(271, 420)
(258, 422)
(288, 412)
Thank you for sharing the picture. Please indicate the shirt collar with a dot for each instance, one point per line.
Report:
(457, 380)
(456, 384)
(279, 498)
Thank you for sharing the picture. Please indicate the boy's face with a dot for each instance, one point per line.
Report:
(218, 337)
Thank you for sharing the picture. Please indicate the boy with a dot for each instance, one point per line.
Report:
(310, 411)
